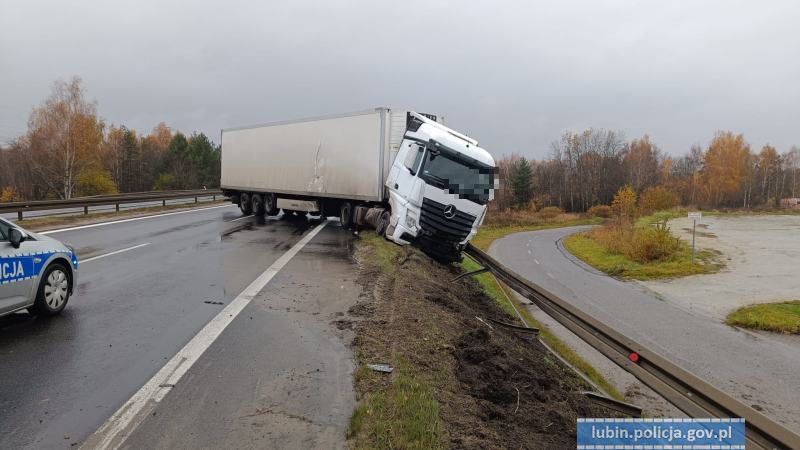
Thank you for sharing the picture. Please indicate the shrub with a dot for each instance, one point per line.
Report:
(165, 182)
(657, 199)
(94, 182)
(641, 244)
(624, 204)
(9, 194)
(653, 244)
(603, 211)
(550, 212)
(523, 215)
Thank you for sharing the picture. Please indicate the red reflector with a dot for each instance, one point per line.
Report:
(634, 357)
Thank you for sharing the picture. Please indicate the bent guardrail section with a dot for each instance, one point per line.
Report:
(686, 391)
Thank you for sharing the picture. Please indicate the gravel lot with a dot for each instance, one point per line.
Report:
(762, 257)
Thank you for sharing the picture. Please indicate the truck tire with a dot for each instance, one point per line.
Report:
(53, 292)
(269, 205)
(383, 223)
(257, 203)
(346, 215)
(244, 204)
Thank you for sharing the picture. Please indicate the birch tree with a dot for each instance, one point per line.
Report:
(64, 137)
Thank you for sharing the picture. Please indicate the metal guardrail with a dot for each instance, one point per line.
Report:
(101, 200)
(686, 391)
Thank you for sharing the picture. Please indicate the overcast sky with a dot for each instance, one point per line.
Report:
(514, 75)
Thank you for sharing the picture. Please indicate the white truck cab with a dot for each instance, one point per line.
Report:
(438, 185)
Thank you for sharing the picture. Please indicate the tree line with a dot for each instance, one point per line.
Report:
(588, 168)
(69, 151)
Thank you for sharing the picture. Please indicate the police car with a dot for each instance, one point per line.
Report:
(36, 272)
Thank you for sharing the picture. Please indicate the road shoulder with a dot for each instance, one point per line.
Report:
(280, 376)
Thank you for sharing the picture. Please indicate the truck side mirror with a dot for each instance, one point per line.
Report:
(16, 237)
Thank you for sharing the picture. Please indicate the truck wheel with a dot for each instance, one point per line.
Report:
(346, 215)
(53, 293)
(383, 223)
(269, 205)
(244, 204)
(258, 205)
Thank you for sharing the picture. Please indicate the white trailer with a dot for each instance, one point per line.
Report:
(382, 161)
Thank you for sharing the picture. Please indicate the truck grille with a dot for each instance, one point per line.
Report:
(433, 221)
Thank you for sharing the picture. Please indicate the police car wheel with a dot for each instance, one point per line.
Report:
(53, 293)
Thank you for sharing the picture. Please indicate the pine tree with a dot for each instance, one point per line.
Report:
(522, 181)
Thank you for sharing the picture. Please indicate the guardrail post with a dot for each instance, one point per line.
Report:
(195, 199)
(86, 210)
(214, 198)
(163, 203)
(117, 205)
(19, 215)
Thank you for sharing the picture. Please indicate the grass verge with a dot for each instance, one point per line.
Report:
(403, 414)
(51, 222)
(457, 381)
(502, 295)
(782, 317)
(488, 232)
(678, 264)
(397, 410)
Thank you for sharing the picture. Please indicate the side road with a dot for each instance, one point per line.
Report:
(744, 364)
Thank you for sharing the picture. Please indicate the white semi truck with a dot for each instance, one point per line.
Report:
(413, 179)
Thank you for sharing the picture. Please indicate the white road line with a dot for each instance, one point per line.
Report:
(240, 218)
(536, 261)
(121, 424)
(132, 219)
(117, 252)
(550, 275)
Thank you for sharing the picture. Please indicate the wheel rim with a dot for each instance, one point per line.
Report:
(256, 204)
(243, 200)
(345, 214)
(55, 289)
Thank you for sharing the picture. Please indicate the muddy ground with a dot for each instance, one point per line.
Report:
(496, 388)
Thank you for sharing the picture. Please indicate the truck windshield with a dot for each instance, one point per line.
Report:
(468, 181)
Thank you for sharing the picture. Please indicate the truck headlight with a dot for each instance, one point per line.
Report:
(411, 222)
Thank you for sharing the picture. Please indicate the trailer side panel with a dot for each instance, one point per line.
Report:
(338, 157)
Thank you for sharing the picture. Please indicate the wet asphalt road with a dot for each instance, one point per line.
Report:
(63, 377)
(760, 370)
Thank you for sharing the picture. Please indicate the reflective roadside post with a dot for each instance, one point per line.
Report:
(695, 216)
